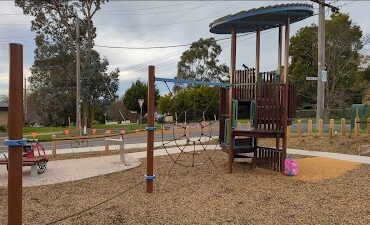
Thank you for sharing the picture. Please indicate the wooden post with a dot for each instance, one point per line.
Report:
(299, 128)
(357, 127)
(187, 132)
(231, 95)
(150, 131)
(15, 128)
(343, 127)
(53, 145)
(106, 145)
(286, 90)
(309, 127)
(331, 127)
(280, 47)
(321, 128)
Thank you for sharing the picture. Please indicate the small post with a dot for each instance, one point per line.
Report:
(248, 125)
(106, 147)
(187, 132)
(309, 127)
(53, 145)
(321, 128)
(150, 132)
(343, 127)
(357, 127)
(331, 128)
(289, 131)
(299, 128)
(239, 125)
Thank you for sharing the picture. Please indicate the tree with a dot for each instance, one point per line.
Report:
(137, 90)
(195, 101)
(200, 62)
(164, 104)
(53, 72)
(343, 43)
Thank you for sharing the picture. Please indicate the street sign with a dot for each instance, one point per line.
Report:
(141, 102)
(311, 78)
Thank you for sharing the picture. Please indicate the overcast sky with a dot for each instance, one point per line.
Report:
(159, 23)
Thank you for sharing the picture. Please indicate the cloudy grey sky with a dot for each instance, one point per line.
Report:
(159, 23)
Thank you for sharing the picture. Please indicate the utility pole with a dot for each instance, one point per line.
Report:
(321, 68)
(78, 82)
(320, 105)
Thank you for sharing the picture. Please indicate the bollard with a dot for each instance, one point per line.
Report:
(187, 132)
(321, 128)
(239, 125)
(106, 148)
(299, 128)
(309, 127)
(331, 127)
(357, 127)
(343, 127)
(248, 125)
(53, 145)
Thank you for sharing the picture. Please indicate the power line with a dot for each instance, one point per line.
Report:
(157, 7)
(138, 71)
(10, 14)
(153, 13)
(152, 25)
(141, 48)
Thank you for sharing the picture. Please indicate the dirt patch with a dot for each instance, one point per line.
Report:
(205, 194)
(318, 168)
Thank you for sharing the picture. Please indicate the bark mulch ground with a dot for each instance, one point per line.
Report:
(204, 194)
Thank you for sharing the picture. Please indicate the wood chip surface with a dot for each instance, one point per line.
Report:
(205, 194)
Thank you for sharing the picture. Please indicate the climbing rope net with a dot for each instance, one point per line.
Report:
(192, 133)
(189, 138)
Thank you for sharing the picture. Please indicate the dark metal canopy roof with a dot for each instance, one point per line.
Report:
(261, 18)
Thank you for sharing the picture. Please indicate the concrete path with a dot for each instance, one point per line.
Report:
(331, 155)
(73, 169)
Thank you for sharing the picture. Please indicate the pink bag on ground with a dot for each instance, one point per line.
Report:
(291, 167)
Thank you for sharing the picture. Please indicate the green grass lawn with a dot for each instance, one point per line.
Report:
(44, 133)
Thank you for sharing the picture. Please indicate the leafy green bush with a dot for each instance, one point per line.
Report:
(2, 128)
(95, 122)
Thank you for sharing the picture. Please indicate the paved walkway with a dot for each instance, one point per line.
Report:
(73, 169)
(331, 155)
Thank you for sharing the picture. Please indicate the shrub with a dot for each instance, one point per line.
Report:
(2, 128)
